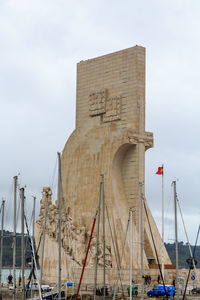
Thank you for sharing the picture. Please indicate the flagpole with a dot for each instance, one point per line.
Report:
(163, 263)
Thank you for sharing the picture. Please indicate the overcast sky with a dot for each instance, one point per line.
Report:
(40, 43)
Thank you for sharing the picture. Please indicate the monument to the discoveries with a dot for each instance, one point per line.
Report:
(109, 139)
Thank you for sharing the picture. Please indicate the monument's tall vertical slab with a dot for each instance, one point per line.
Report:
(109, 139)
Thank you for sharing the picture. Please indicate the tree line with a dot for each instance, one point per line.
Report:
(183, 254)
(7, 254)
(183, 251)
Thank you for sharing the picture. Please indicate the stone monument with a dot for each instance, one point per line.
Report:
(109, 139)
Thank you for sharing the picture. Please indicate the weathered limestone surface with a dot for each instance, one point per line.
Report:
(109, 139)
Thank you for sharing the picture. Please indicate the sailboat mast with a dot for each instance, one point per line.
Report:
(141, 241)
(176, 239)
(33, 253)
(33, 234)
(59, 248)
(131, 250)
(34, 200)
(43, 236)
(163, 218)
(1, 255)
(189, 246)
(22, 242)
(104, 244)
(97, 242)
(14, 238)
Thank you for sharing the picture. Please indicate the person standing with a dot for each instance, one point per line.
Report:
(158, 279)
(20, 280)
(10, 278)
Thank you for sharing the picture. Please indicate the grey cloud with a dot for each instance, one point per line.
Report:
(41, 42)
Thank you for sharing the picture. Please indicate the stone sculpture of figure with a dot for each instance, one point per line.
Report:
(50, 220)
(42, 206)
(80, 244)
(68, 234)
(46, 191)
(100, 255)
(65, 243)
(108, 258)
(92, 253)
(73, 238)
(54, 223)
